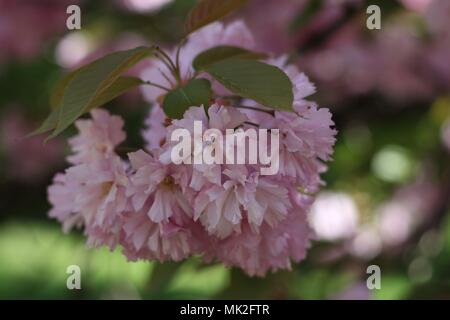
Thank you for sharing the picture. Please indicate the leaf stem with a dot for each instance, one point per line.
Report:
(164, 61)
(156, 85)
(252, 124)
(271, 112)
(172, 67)
(165, 76)
(177, 59)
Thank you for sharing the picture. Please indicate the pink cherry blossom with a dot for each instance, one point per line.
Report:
(220, 118)
(92, 195)
(160, 184)
(172, 240)
(156, 208)
(222, 209)
(307, 139)
(97, 137)
(155, 133)
(273, 248)
(161, 225)
(307, 134)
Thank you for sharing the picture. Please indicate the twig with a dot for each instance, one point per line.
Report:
(271, 112)
(156, 85)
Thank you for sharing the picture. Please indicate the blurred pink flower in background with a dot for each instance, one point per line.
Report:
(78, 47)
(282, 35)
(395, 221)
(144, 6)
(416, 5)
(367, 242)
(398, 73)
(28, 159)
(334, 216)
(410, 206)
(437, 18)
(26, 26)
(357, 291)
(366, 66)
(446, 134)
(272, 35)
(351, 61)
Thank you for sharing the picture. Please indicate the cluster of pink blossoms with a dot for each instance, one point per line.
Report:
(157, 210)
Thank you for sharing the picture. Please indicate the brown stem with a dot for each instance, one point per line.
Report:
(271, 112)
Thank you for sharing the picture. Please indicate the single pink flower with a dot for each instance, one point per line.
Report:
(97, 138)
(160, 184)
(222, 209)
(92, 195)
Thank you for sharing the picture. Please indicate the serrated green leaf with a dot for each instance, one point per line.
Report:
(49, 124)
(221, 53)
(195, 93)
(91, 81)
(119, 87)
(207, 11)
(266, 84)
(58, 91)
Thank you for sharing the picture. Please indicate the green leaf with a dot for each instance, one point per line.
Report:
(49, 124)
(266, 84)
(119, 87)
(90, 82)
(207, 11)
(195, 93)
(221, 53)
(58, 92)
